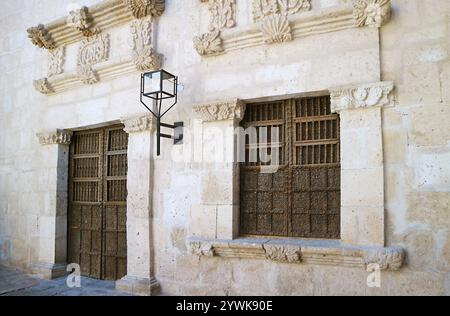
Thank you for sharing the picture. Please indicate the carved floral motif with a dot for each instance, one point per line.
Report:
(143, 8)
(220, 111)
(386, 259)
(82, 21)
(143, 54)
(201, 249)
(58, 137)
(377, 94)
(55, 61)
(265, 8)
(286, 254)
(40, 37)
(372, 13)
(222, 14)
(209, 43)
(276, 29)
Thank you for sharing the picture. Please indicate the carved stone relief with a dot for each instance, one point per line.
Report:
(209, 43)
(58, 137)
(372, 13)
(143, 8)
(283, 254)
(82, 20)
(276, 29)
(143, 54)
(55, 61)
(93, 50)
(40, 37)
(265, 8)
(220, 111)
(42, 86)
(139, 124)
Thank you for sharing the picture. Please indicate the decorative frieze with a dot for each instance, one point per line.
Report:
(40, 37)
(58, 137)
(209, 44)
(276, 29)
(265, 8)
(43, 86)
(93, 50)
(143, 54)
(82, 20)
(282, 253)
(372, 13)
(300, 252)
(139, 124)
(221, 111)
(223, 14)
(143, 8)
(363, 96)
(55, 61)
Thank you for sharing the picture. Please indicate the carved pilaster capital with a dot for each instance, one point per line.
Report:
(386, 258)
(209, 44)
(143, 8)
(139, 124)
(372, 13)
(82, 20)
(362, 96)
(221, 111)
(57, 137)
(201, 249)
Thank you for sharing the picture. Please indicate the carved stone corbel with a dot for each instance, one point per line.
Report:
(57, 137)
(363, 96)
(372, 13)
(43, 86)
(209, 44)
(221, 111)
(143, 8)
(40, 37)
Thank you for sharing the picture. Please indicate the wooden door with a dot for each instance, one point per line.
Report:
(97, 203)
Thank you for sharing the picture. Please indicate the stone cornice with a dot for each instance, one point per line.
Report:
(139, 124)
(57, 137)
(281, 27)
(300, 252)
(103, 16)
(221, 111)
(362, 96)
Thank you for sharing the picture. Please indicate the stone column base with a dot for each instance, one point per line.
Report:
(48, 271)
(138, 286)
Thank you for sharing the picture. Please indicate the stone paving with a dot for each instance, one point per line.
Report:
(15, 283)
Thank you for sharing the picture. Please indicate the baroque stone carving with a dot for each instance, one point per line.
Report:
(222, 14)
(201, 249)
(376, 94)
(276, 29)
(286, 254)
(58, 137)
(209, 43)
(143, 54)
(55, 61)
(82, 20)
(143, 8)
(40, 37)
(43, 86)
(386, 259)
(139, 124)
(372, 13)
(220, 111)
(93, 50)
(265, 8)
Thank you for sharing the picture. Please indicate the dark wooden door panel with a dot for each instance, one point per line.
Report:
(97, 208)
(301, 199)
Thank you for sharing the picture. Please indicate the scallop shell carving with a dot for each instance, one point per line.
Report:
(276, 29)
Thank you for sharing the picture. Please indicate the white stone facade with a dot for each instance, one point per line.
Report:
(384, 63)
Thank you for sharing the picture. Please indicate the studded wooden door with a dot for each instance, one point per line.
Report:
(301, 199)
(97, 203)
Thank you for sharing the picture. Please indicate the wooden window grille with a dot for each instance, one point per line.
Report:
(302, 198)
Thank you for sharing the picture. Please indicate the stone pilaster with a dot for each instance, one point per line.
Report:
(53, 219)
(140, 278)
(362, 175)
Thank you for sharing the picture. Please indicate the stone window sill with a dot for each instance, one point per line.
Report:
(300, 251)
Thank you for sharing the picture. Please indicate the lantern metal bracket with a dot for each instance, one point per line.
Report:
(177, 127)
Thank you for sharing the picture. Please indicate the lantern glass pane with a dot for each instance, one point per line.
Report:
(152, 83)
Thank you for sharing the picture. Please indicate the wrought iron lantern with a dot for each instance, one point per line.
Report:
(160, 86)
